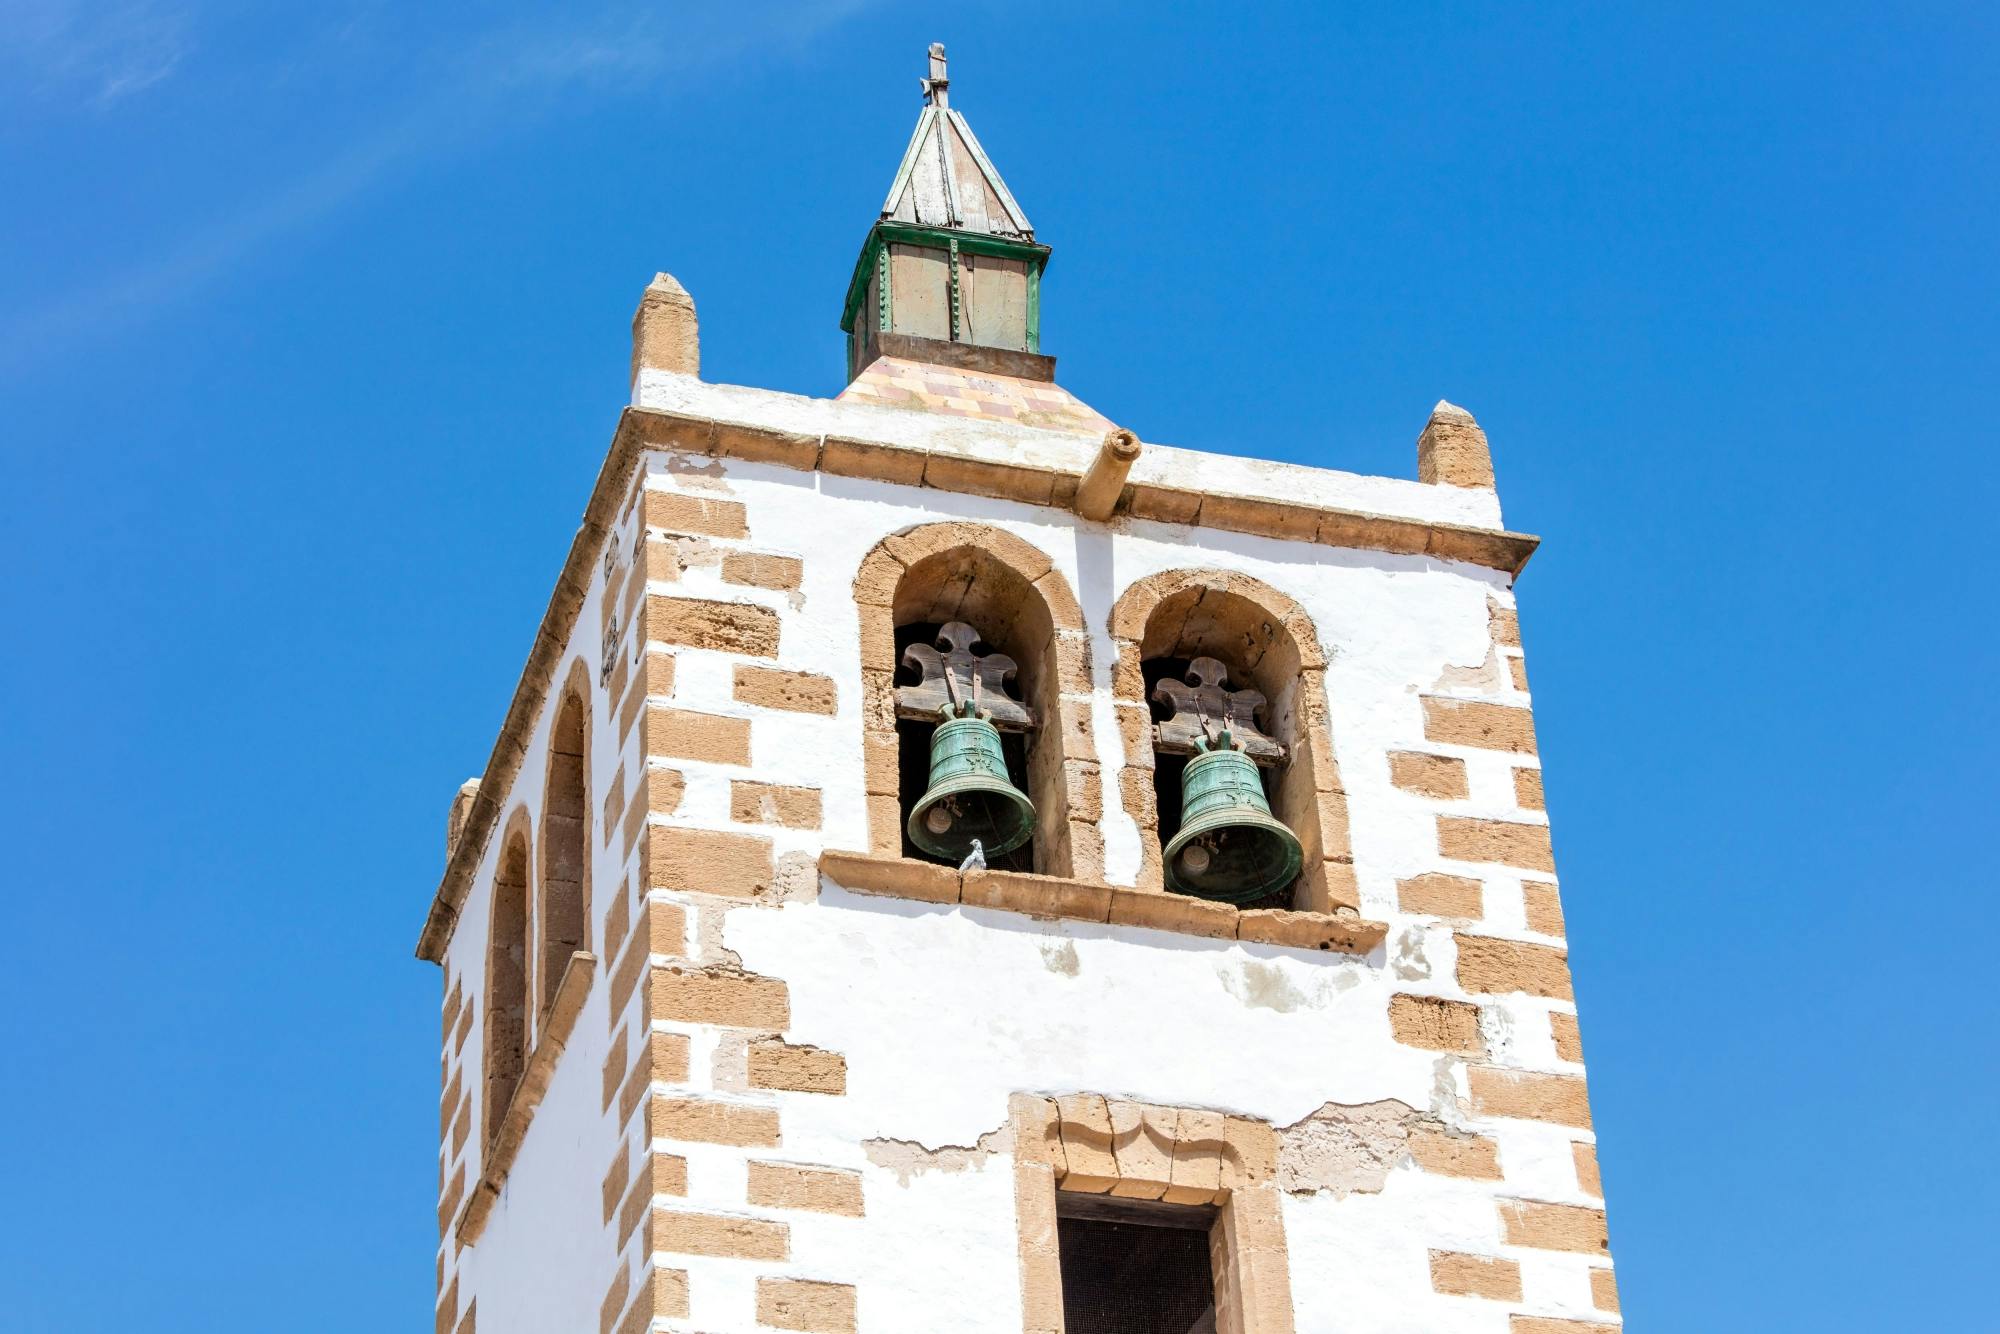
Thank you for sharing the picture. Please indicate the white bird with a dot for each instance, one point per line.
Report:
(975, 860)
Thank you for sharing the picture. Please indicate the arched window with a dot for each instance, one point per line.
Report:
(565, 830)
(507, 978)
(910, 589)
(1264, 642)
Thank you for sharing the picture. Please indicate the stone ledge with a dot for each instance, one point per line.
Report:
(1084, 901)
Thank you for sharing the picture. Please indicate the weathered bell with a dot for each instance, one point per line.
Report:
(970, 796)
(1230, 847)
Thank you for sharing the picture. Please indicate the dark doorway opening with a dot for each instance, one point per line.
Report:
(1130, 1267)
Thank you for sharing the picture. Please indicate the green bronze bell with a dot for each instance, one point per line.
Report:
(970, 796)
(1230, 847)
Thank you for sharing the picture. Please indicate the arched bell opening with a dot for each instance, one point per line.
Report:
(506, 1019)
(565, 880)
(1261, 641)
(974, 634)
(1177, 689)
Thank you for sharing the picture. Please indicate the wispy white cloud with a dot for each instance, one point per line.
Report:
(97, 55)
(488, 80)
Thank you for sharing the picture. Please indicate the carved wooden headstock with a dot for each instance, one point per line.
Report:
(953, 676)
(1203, 707)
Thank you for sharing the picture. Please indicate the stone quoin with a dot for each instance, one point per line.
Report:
(724, 1050)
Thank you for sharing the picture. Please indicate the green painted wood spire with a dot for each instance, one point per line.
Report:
(951, 271)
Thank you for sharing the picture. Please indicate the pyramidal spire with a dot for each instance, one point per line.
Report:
(946, 179)
(951, 273)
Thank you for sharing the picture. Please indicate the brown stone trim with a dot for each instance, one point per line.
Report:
(1544, 1324)
(687, 1232)
(1444, 1153)
(805, 1304)
(1559, 1099)
(1078, 900)
(1583, 1155)
(775, 1064)
(1603, 1290)
(1490, 966)
(1440, 777)
(1459, 1275)
(1554, 1227)
(822, 1190)
(1043, 615)
(1094, 1145)
(653, 428)
(499, 1158)
(1435, 1024)
(1284, 654)
(1467, 838)
(1436, 894)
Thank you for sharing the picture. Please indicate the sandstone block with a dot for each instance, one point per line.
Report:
(777, 688)
(696, 516)
(708, 861)
(1588, 1178)
(1464, 1275)
(1452, 450)
(774, 803)
(799, 1304)
(1471, 722)
(1172, 912)
(823, 1190)
(1468, 839)
(1543, 1324)
(1490, 966)
(1309, 930)
(1439, 777)
(681, 734)
(1554, 1227)
(1560, 1099)
(780, 1065)
(891, 877)
(1569, 1042)
(1543, 907)
(1435, 1024)
(1440, 895)
(1436, 1150)
(754, 569)
(728, 627)
(1037, 895)
(725, 998)
(706, 1121)
(1603, 1290)
(686, 1232)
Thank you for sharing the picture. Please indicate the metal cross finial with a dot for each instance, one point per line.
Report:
(936, 84)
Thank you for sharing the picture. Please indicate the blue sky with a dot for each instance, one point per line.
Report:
(313, 329)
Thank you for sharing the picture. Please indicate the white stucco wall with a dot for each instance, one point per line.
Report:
(943, 1013)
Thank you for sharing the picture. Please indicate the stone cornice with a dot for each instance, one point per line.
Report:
(1040, 483)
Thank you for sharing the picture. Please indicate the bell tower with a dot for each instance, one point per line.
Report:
(950, 864)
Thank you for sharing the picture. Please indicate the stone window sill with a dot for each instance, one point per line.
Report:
(1085, 901)
(541, 1068)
